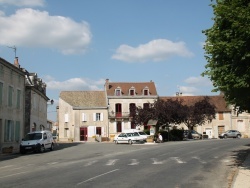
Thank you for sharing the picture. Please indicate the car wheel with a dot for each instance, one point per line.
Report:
(225, 136)
(130, 142)
(52, 147)
(42, 149)
(238, 136)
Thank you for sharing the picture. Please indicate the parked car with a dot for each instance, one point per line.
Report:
(191, 134)
(128, 138)
(143, 135)
(37, 141)
(138, 133)
(230, 134)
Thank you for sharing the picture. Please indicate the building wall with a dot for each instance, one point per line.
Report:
(125, 102)
(11, 116)
(69, 128)
(65, 124)
(230, 121)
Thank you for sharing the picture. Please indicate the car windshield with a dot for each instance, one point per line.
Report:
(33, 136)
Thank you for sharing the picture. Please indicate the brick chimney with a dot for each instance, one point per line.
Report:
(107, 84)
(16, 62)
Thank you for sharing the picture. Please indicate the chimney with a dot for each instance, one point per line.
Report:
(16, 62)
(107, 84)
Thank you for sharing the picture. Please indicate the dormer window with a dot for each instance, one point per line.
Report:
(132, 91)
(118, 92)
(146, 91)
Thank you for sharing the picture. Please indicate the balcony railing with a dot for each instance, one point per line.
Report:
(118, 115)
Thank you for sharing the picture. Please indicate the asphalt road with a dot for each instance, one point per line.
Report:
(203, 163)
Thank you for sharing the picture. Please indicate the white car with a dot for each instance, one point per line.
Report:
(128, 138)
(138, 133)
(143, 135)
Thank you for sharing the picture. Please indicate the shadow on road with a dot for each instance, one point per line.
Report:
(58, 146)
(239, 157)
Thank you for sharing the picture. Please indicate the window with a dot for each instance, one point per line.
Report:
(145, 105)
(84, 117)
(18, 100)
(10, 91)
(98, 117)
(117, 92)
(1, 93)
(133, 126)
(8, 131)
(145, 91)
(221, 116)
(119, 127)
(132, 92)
(99, 130)
(17, 131)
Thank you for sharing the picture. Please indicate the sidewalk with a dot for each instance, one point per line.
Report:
(242, 177)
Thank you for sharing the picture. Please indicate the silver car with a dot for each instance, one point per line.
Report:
(230, 134)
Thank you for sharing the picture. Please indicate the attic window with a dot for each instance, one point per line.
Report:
(118, 92)
(132, 91)
(146, 91)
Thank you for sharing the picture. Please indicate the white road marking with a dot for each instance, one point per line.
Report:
(6, 166)
(13, 174)
(177, 159)
(111, 162)
(155, 161)
(90, 179)
(52, 163)
(198, 158)
(90, 163)
(134, 162)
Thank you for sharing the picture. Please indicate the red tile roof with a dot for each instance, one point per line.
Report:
(218, 101)
(126, 86)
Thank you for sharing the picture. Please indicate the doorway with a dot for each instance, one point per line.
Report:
(209, 132)
(83, 134)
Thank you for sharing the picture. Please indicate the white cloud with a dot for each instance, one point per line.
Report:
(198, 81)
(20, 3)
(155, 50)
(33, 28)
(186, 90)
(74, 84)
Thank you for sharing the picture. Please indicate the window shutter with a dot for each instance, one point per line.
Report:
(17, 131)
(101, 116)
(83, 117)
(66, 118)
(12, 131)
(6, 131)
(94, 116)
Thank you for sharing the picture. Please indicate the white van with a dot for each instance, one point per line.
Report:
(37, 141)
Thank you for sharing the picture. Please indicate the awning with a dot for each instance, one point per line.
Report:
(152, 122)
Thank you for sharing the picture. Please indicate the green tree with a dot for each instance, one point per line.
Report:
(227, 51)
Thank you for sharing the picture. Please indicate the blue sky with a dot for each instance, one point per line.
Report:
(76, 45)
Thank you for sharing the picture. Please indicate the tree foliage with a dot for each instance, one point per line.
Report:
(174, 112)
(199, 113)
(227, 51)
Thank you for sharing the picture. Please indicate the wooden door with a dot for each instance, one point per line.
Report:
(83, 134)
